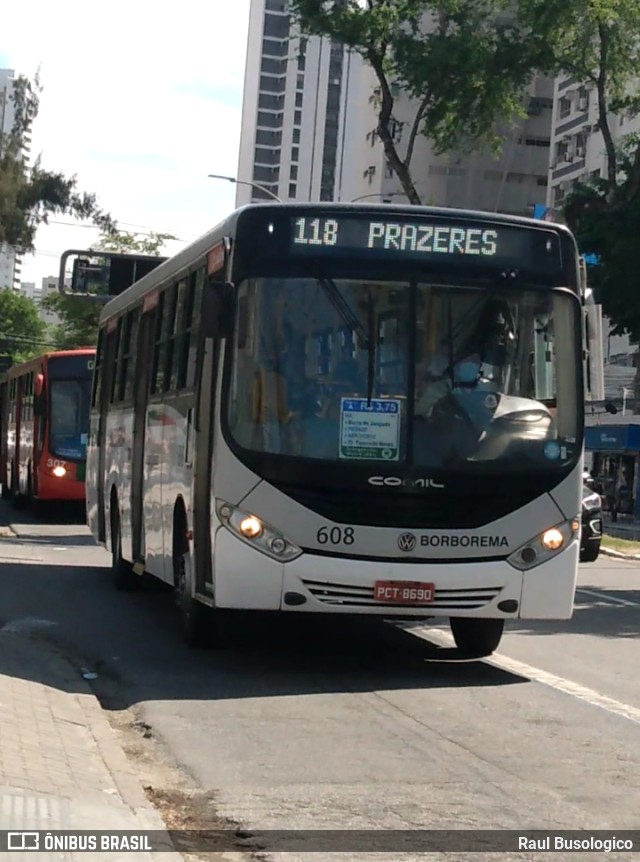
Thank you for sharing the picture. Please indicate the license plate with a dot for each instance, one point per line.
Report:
(403, 592)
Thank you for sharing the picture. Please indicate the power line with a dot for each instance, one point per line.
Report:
(148, 230)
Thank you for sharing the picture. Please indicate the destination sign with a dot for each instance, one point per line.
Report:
(430, 240)
(68, 367)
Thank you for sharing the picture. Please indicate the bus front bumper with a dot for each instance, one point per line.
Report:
(247, 579)
(63, 488)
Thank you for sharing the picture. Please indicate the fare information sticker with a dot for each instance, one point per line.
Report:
(370, 430)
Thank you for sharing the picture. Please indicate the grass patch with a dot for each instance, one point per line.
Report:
(623, 545)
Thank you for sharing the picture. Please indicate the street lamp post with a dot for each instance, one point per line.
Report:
(377, 195)
(245, 183)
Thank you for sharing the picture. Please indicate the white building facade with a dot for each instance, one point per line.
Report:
(578, 150)
(48, 286)
(514, 182)
(293, 112)
(309, 131)
(578, 153)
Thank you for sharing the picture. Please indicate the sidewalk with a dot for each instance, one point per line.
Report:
(622, 529)
(61, 766)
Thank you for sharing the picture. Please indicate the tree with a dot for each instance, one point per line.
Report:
(134, 243)
(467, 72)
(79, 318)
(597, 43)
(22, 333)
(29, 197)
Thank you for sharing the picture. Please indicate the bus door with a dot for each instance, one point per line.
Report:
(4, 415)
(105, 365)
(204, 423)
(17, 454)
(143, 372)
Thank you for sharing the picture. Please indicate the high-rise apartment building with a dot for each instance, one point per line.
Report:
(578, 149)
(578, 153)
(10, 260)
(48, 286)
(513, 182)
(309, 131)
(293, 112)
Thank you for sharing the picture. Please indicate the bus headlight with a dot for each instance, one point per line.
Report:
(552, 540)
(544, 545)
(251, 527)
(59, 471)
(253, 531)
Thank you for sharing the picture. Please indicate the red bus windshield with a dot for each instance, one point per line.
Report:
(69, 425)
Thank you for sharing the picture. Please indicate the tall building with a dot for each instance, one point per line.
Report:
(49, 285)
(293, 112)
(309, 131)
(578, 150)
(10, 260)
(578, 153)
(514, 182)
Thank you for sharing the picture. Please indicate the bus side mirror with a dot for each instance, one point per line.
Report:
(217, 309)
(38, 385)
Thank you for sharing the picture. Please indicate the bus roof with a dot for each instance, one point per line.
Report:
(44, 357)
(184, 260)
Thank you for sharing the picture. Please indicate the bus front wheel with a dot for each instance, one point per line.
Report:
(121, 571)
(476, 637)
(195, 618)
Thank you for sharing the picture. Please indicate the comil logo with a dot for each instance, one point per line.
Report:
(407, 542)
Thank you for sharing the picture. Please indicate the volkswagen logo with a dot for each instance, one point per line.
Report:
(407, 542)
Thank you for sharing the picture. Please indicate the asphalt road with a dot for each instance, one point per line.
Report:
(318, 729)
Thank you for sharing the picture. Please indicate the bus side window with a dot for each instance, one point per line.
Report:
(168, 333)
(157, 370)
(194, 340)
(97, 373)
(123, 356)
(129, 372)
(116, 362)
(188, 339)
(175, 359)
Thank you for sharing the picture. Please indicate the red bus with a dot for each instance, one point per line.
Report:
(44, 427)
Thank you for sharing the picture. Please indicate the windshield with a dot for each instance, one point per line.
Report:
(69, 423)
(446, 376)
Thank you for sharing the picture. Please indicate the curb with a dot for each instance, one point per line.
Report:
(109, 749)
(609, 552)
(129, 788)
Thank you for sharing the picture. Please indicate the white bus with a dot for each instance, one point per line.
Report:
(348, 409)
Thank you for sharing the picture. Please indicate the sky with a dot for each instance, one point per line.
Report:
(140, 102)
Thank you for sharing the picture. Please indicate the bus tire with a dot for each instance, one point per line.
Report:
(196, 619)
(121, 572)
(476, 637)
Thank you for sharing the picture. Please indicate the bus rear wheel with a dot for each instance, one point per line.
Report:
(476, 637)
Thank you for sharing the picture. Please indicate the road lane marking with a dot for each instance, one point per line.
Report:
(614, 599)
(535, 674)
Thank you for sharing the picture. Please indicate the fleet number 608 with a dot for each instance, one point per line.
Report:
(335, 536)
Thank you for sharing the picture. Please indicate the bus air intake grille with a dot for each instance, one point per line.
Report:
(349, 595)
